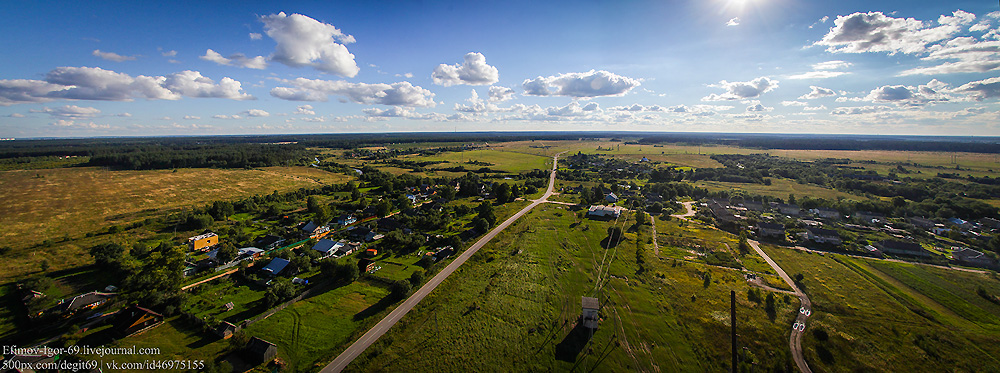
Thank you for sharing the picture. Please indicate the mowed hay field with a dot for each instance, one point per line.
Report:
(51, 204)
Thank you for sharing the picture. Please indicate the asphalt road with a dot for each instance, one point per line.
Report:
(795, 340)
(393, 317)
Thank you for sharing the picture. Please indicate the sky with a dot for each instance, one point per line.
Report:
(138, 68)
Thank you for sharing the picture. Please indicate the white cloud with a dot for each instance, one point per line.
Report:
(735, 21)
(758, 108)
(94, 83)
(501, 94)
(858, 110)
(73, 124)
(793, 103)
(69, 111)
(981, 89)
(817, 92)
(221, 116)
(964, 55)
(932, 92)
(405, 75)
(742, 90)
(639, 108)
(814, 108)
(191, 117)
(256, 36)
(473, 71)
(876, 32)
(256, 113)
(589, 84)
(831, 65)
(237, 59)
(818, 75)
(476, 105)
(400, 94)
(170, 53)
(124, 115)
(15, 115)
(303, 41)
(305, 110)
(111, 56)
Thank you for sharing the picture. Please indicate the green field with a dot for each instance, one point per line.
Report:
(508, 161)
(515, 304)
(779, 188)
(872, 322)
(52, 205)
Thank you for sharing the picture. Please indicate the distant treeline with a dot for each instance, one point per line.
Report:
(799, 142)
(150, 157)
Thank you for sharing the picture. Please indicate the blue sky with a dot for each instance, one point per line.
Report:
(142, 68)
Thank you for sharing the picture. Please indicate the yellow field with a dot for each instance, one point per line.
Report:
(48, 204)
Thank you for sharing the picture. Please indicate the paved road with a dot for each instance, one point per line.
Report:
(795, 341)
(393, 317)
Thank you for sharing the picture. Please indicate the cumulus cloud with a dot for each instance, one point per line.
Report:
(256, 36)
(396, 112)
(962, 55)
(221, 116)
(94, 83)
(639, 108)
(876, 32)
(69, 111)
(477, 105)
(237, 59)
(191, 117)
(397, 94)
(500, 94)
(303, 41)
(831, 65)
(15, 115)
(858, 110)
(814, 108)
(932, 92)
(817, 92)
(111, 56)
(169, 53)
(742, 90)
(256, 113)
(735, 21)
(473, 71)
(981, 89)
(64, 123)
(124, 115)
(758, 108)
(589, 84)
(793, 103)
(305, 110)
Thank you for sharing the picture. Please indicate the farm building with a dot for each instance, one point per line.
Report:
(826, 213)
(371, 252)
(275, 266)
(366, 265)
(789, 209)
(820, 235)
(722, 215)
(590, 312)
(771, 230)
(346, 219)
(903, 248)
(604, 211)
(990, 223)
(203, 242)
(921, 222)
(611, 198)
(260, 351)
(251, 253)
(135, 319)
(225, 330)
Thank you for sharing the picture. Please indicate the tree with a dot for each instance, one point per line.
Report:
(399, 289)
(313, 204)
(655, 208)
(485, 211)
(281, 289)
(480, 225)
(45, 265)
(200, 221)
(226, 253)
(383, 208)
(791, 199)
(107, 254)
(446, 192)
(502, 192)
(416, 278)
(744, 245)
(640, 217)
(355, 194)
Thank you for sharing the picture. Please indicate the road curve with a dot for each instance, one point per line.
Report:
(393, 317)
(688, 214)
(795, 340)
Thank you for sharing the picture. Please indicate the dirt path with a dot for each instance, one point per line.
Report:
(893, 260)
(226, 273)
(795, 340)
(689, 213)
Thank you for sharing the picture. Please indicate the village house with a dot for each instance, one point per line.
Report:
(868, 217)
(611, 198)
(722, 215)
(251, 253)
(903, 248)
(259, 351)
(820, 235)
(225, 330)
(82, 302)
(771, 230)
(826, 213)
(921, 223)
(275, 267)
(789, 209)
(346, 219)
(366, 265)
(967, 256)
(604, 211)
(313, 230)
(134, 320)
(327, 248)
(269, 242)
(203, 242)
(990, 223)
